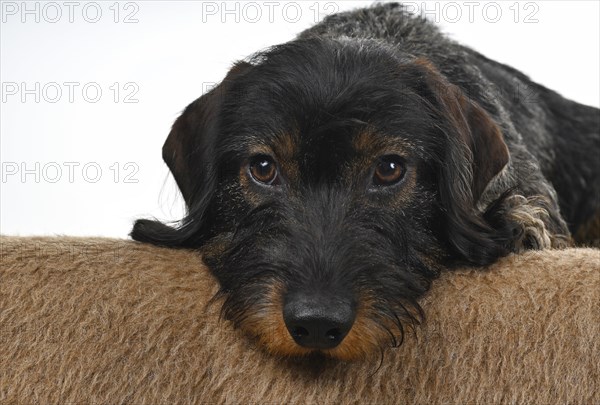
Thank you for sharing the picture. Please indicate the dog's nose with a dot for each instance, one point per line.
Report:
(318, 322)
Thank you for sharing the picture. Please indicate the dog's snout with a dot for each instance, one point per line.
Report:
(318, 322)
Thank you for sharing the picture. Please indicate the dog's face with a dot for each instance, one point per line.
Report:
(327, 184)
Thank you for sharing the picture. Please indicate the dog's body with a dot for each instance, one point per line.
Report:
(330, 179)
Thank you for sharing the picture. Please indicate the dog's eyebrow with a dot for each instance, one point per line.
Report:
(260, 149)
(282, 146)
(372, 142)
(285, 146)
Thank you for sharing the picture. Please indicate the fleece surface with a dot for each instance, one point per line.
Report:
(99, 321)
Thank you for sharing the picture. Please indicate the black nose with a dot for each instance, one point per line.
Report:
(316, 321)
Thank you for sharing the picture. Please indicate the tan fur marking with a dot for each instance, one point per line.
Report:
(267, 325)
(286, 152)
(369, 142)
(365, 337)
(370, 146)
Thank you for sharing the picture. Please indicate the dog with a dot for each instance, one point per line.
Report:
(329, 180)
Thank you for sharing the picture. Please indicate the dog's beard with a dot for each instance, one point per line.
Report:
(273, 252)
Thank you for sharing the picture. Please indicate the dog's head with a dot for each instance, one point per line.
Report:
(327, 182)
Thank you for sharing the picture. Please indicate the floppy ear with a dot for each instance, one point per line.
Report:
(473, 154)
(477, 138)
(189, 152)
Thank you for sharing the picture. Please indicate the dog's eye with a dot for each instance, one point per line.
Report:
(264, 170)
(389, 171)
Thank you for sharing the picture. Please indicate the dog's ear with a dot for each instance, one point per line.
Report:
(189, 152)
(477, 138)
(472, 154)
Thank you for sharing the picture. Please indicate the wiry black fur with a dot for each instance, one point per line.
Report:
(321, 245)
(364, 71)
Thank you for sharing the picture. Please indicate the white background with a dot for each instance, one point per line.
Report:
(169, 53)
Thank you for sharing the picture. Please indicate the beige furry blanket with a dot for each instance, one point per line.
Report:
(99, 321)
